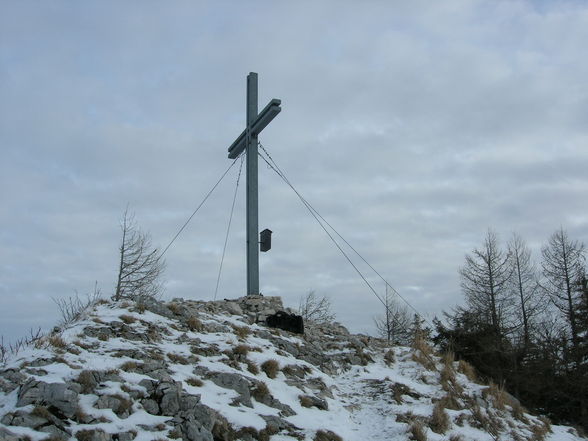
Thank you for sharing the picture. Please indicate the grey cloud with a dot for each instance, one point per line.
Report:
(411, 127)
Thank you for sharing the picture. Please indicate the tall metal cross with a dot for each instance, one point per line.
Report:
(247, 141)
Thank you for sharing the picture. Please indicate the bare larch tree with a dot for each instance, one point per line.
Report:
(140, 266)
(395, 323)
(525, 286)
(315, 309)
(484, 279)
(563, 268)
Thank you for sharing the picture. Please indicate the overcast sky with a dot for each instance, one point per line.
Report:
(412, 127)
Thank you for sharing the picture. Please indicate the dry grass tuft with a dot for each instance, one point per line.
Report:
(546, 422)
(175, 308)
(449, 401)
(87, 381)
(128, 319)
(195, 324)
(175, 434)
(252, 367)
(271, 368)
(241, 351)
(417, 431)
(448, 359)
(242, 332)
(57, 342)
(129, 366)
(439, 421)
(196, 382)
(420, 344)
(177, 358)
(499, 397)
(41, 411)
(447, 377)
(305, 401)
(539, 431)
(88, 435)
(82, 344)
(424, 360)
(73, 350)
(140, 308)
(468, 370)
(455, 437)
(518, 411)
(389, 357)
(326, 435)
(260, 392)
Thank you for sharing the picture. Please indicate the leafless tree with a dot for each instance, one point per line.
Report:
(484, 279)
(140, 266)
(563, 268)
(525, 286)
(73, 309)
(395, 323)
(315, 309)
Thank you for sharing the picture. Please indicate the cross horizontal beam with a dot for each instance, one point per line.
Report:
(263, 119)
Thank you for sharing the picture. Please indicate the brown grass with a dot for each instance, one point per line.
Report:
(271, 368)
(389, 357)
(73, 350)
(439, 421)
(241, 350)
(87, 381)
(423, 359)
(455, 438)
(128, 319)
(41, 411)
(252, 367)
(417, 431)
(305, 401)
(87, 435)
(447, 377)
(518, 412)
(242, 332)
(448, 359)
(326, 435)
(468, 370)
(449, 401)
(175, 308)
(124, 405)
(195, 324)
(129, 366)
(499, 397)
(57, 342)
(82, 344)
(177, 358)
(140, 308)
(196, 382)
(260, 392)
(174, 434)
(539, 431)
(546, 422)
(420, 344)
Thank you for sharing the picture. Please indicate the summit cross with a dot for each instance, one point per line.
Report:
(247, 141)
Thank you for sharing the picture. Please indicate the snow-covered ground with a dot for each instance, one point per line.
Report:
(197, 371)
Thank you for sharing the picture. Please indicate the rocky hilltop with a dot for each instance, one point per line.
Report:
(212, 371)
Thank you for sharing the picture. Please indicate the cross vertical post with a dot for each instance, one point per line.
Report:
(252, 190)
(247, 141)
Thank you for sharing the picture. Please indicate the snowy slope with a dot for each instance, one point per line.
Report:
(199, 371)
